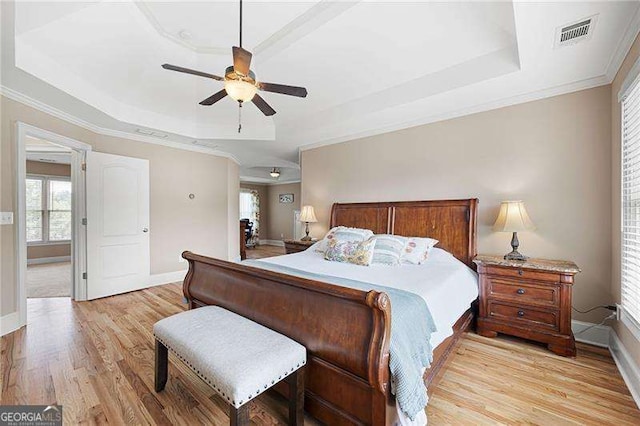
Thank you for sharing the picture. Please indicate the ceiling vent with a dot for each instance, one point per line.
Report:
(575, 32)
(152, 133)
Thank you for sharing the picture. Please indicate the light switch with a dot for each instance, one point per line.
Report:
(6, 218)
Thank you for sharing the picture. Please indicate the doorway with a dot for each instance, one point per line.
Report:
(51, 255)
(48, 219)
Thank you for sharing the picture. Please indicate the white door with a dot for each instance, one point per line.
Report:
(117, 224)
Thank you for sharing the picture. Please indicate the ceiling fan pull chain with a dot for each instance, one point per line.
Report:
(239, 116)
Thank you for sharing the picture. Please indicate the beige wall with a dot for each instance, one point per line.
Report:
(48, 169)
(263, 195)
(280, 223)
(233, 211)
(625, 335)
(48, 250)
(276, 218)
(177, 223)
(554, 154)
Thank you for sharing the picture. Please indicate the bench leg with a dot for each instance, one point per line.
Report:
(162, 366)
(239, 416)
(296, 398)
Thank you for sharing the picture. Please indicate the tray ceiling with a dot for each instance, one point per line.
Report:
(369, 67)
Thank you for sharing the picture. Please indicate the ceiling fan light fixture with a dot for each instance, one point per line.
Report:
(275, 173)
(239, 90)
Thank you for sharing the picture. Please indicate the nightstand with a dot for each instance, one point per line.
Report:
(295, 246)
(529, 299)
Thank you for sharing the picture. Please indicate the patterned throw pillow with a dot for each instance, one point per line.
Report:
(356, 252)
(388, 249)
(416, 250)
(343, 233)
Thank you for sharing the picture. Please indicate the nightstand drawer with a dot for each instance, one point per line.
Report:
(523, 273)
(525, 315)
(519, 291)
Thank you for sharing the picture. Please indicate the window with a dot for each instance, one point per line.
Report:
(246, 205)
(631, 201)
(48, 209)
(250, 209)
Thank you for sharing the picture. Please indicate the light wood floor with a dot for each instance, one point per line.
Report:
(260, 252)
(49, 280)
(96, 359)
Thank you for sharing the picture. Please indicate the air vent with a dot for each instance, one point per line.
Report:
(575, 32)
(152, 133)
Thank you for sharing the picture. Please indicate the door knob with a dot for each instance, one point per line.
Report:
(145, 229)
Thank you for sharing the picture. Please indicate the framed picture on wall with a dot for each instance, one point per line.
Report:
(286, 198)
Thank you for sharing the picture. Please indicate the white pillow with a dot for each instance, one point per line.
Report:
(416, 250)
(343, 233)
(388, 249)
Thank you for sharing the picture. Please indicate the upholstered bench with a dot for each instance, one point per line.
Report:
(237, 357)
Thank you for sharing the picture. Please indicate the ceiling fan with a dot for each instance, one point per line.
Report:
(240, 82)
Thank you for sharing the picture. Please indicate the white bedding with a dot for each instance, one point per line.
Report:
(447, 285)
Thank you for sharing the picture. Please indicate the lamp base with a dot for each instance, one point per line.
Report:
(306, 230)
(515, 254)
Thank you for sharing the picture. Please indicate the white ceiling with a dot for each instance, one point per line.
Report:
(44, 151)
(369, 66)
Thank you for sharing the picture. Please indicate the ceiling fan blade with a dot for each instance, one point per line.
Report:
(263, 105)
(300, 92)
(214, 98)
(241, 60)
(190, 71)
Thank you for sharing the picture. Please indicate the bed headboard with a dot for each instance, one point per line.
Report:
(452, 222)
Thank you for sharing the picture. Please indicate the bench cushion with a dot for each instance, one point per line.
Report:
(239, 358)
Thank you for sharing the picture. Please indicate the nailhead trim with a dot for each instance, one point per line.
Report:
(208, 380)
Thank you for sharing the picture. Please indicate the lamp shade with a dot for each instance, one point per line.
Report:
(513, 217)
(307, 214)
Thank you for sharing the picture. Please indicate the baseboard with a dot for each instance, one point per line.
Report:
(41, 260)
(592, 334)
(167, 277)
(629, 370)
(278, 243)
(9, 323)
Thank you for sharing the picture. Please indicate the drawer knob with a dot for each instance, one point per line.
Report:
(520, 291)
(520, 313)
(520, 272)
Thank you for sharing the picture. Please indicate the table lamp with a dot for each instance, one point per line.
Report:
(307, 215)
(513, 217)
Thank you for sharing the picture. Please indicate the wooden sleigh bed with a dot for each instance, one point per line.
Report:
(346, 331)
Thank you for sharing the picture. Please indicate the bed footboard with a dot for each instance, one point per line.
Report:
(346, 332)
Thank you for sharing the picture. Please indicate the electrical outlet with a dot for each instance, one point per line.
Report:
(6, 218)
(282, 236)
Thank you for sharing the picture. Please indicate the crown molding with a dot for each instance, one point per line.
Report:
(150, 17)
(323, 12)
(623, 48)
(69, 118)
(501, 103)
(265, 181)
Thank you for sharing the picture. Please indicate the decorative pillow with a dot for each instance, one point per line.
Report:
(356, 252)
(416, 250)
(388, 249)
(343, 233)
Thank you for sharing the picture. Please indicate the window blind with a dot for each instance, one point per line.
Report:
(631, 201)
